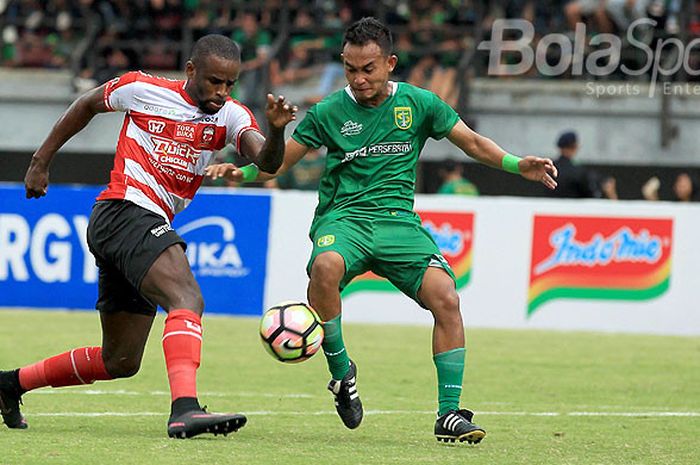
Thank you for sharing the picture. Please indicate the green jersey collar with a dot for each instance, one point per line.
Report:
(392, 84)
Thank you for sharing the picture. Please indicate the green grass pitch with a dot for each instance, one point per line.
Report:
(543, 397)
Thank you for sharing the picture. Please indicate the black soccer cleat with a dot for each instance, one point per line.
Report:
(347, 400)
(456, 425)
(10, 400)
(196, 422)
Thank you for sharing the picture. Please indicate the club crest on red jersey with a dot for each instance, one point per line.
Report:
(208, 135)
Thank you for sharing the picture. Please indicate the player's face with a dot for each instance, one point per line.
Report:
(210, 83)
(367, 70)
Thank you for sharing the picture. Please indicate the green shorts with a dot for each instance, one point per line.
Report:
(395, 247)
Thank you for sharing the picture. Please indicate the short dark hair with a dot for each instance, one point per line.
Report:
(217, 45)
(369, 30)
(567, 140)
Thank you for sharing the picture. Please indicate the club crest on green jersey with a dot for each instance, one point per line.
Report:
(403, 117)
(325, 241)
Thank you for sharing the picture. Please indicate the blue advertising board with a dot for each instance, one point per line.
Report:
(45, 262)
(227, 237)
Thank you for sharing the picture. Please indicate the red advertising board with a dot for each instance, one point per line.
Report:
(599, 258)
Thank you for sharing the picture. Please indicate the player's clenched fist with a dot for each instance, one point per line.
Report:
(36, 181)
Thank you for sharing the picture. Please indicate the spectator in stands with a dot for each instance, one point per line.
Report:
(312, 53)
(453, 180)
(608, 188)
(403, 48)
(208, 16)
(332, 70)
(685, 188)
(574, 181)
(167, 17)
(33, 51)
(650, 189)
(694, 20)
(160, 53)
(624, 12)
(578, 10)
(116, 62)
(610, 16)
(304, 42)
(255, 49)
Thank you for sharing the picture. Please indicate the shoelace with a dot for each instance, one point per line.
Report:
(343, 395)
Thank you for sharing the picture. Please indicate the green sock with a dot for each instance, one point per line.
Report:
(334, 348)
(450, 370)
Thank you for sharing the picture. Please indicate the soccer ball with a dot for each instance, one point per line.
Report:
(291, 332)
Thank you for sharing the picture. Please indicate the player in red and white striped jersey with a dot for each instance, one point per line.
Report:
(167, 140)
(170, 131)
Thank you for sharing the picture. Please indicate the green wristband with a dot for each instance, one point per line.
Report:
(510, 163)
(250, 172)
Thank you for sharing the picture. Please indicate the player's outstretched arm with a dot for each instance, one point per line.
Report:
(270, 155)
(72, 121)
(293, 152)
(486, 151)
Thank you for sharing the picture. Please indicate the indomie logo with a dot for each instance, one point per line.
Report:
(595, 258)
(448, 239)
(622, 245)
(453, 233)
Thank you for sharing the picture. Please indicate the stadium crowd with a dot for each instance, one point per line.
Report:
(99, 38)
(287, 42)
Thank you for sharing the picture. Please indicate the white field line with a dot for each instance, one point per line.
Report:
(588, 410)
(123, 392)
(378, 412)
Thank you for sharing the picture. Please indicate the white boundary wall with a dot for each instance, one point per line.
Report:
(496, 296)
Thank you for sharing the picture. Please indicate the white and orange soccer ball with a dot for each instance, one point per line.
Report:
(291, 331)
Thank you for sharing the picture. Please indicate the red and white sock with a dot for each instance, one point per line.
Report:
(75, 367)
(182, 347)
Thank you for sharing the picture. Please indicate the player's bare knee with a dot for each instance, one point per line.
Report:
(327, 271)
(121, 366)
(189, 297)
(445, 305)
(196, 303)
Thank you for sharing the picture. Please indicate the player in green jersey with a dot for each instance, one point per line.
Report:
(374, 130)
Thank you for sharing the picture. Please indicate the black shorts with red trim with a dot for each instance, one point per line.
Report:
(126, 239)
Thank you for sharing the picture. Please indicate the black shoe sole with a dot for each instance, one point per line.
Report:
(472, 437)
(224, 426)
